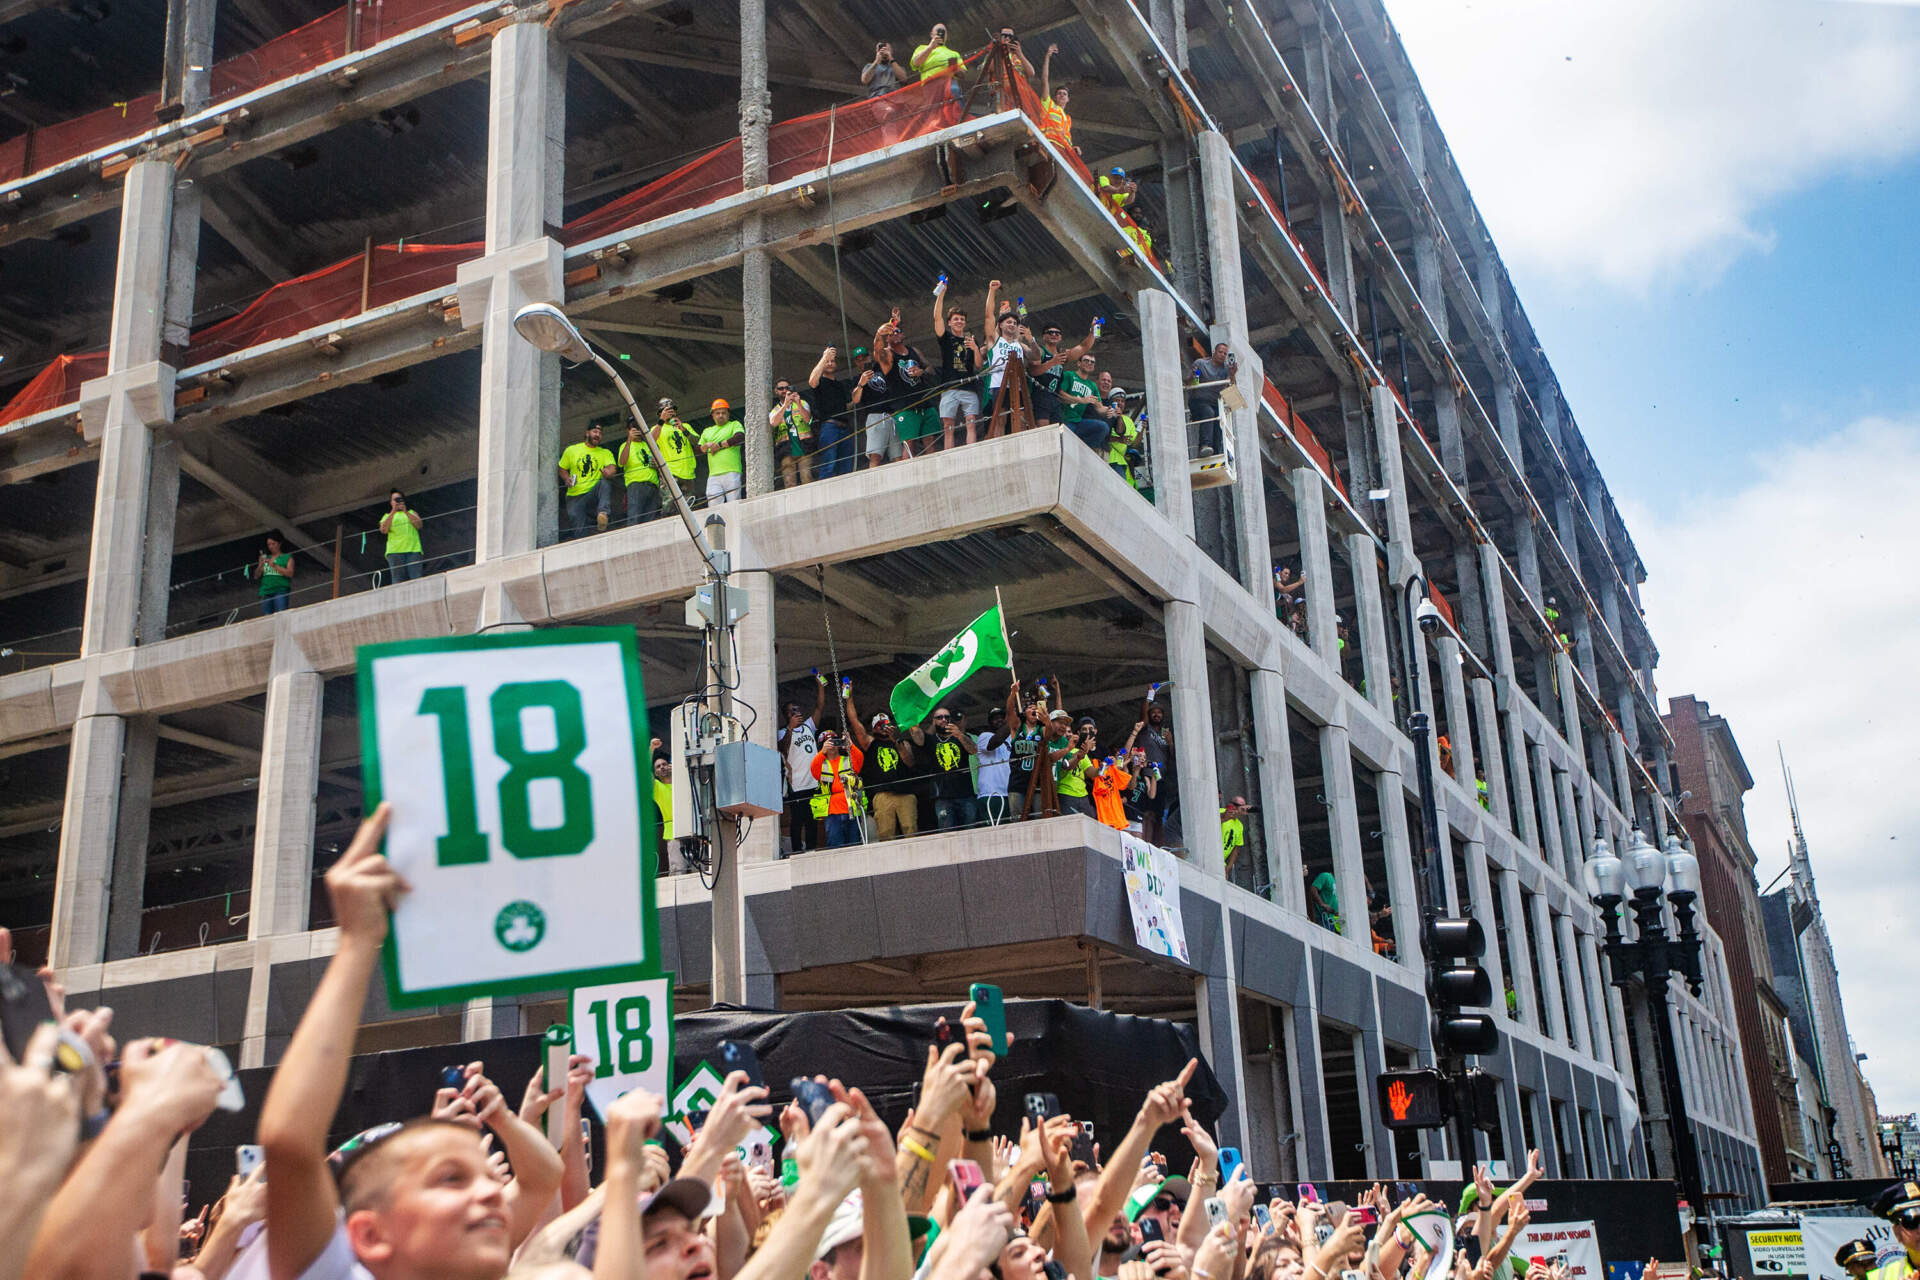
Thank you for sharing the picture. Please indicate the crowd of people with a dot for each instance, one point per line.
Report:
(471, 1188)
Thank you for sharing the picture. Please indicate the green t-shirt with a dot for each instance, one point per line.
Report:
(640, 468)
(274, 584)
(676, 443)
(726, 461)
(1328, 892)
(402, 537)
(1124, 433)
(1072, 384)
(1233, 835)
(663, 801)
(585, 463)
(1069, 781)
(939, 59)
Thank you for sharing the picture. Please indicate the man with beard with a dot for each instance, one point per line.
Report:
(886, 771)
(1156, 739)
(1030, 720)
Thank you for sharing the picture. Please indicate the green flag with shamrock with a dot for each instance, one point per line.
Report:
(982, 644)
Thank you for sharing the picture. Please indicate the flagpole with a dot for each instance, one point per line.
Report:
(1001, 610)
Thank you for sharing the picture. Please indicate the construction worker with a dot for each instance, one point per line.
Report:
(1056, 126)
(679, 446)
(1899, 1204)
(641, 475)
(583, 468)
(1122, 434)
(724, 443)
(1233, 829)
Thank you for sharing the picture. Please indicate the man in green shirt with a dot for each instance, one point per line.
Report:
(1122, 434)
(1323, 899)
(724, 443)
(642, 476)
(1071, 754)
(401, 524)
(680, 446)
(583, 466)
(934, 58)
(275, 571)
(1079, 398)
(1233, 829)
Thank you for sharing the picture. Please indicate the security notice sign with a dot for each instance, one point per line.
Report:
(512, 762)
(1777, 1251)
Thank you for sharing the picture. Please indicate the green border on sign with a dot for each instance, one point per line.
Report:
(370, 772)
(638, 977)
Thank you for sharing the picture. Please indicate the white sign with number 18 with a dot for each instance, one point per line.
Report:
(627, 1029)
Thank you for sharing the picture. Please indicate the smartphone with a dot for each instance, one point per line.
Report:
(1042, 1106)
(1306, 1193)
(1216, 1211)
(1323, 1232)
(1230, 1163)
(1263, 1216)
(23, 1007)
(1364, 1215)
(943, 1033)
(1352, 1275)
(990, 1007)
(1150, 1230)
(1035, 1198)
(453, 1077)
(247, 1158)
(1083, 1143)
(738, 1055)
(814, 1098)
(967, 1178)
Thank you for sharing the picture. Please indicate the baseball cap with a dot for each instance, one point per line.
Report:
(845, 1225)
(1059, 714)
(1118, 393)
(861, 351)
(878, 716)
(719, 404)
(691, 1197)
(666, 402)
(1177, 1187)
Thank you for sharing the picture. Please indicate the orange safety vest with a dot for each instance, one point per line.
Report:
(1055, 124)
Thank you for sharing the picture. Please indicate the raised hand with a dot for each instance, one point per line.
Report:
(363, 886)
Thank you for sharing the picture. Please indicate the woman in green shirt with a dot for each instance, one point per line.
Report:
(275, 571)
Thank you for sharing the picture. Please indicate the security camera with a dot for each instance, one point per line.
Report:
(1428, 616)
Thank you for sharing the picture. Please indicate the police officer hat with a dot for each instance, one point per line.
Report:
(1899, 1200)
(1854, 1253)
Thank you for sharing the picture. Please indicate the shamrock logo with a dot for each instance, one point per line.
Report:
(520, 926)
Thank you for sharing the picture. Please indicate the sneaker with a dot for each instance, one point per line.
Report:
(1205, 452)
(601, 520)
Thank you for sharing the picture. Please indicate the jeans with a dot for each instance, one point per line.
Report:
(278, 602)
(1076, 804)
(643, 501)
(836, 449)
(581, 513)
(403, 566)
(951, 815)
(1092, 432)
(842, 830)
(1204, 416)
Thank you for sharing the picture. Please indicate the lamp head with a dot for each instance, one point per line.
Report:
(1683, 871)
(1646, 865)
(1427, 615)
(547, 327)
(1606, 874)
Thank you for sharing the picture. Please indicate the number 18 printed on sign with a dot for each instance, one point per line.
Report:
(512, 762)
(627, 1029)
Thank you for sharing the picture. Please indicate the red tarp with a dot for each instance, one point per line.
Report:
(1304, 434)
(57, 384)
(302, 49)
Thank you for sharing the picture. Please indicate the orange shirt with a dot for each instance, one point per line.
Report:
(1107, 787)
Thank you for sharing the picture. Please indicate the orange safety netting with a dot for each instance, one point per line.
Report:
(57, 384)
(1029, 103)
(1304, 434)
(1446, 610)
(302, 49)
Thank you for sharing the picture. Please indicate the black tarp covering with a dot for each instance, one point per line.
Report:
(1100, 1064)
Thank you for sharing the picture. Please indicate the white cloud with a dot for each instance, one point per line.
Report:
(1622, 141)
(1792, 607)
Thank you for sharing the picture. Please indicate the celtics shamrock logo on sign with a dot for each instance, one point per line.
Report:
(520, 926)
(983, 644)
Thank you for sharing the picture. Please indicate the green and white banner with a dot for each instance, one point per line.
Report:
(513, 765)
(981, 645)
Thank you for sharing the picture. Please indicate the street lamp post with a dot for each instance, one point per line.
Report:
(1656, 959)
(547, 327)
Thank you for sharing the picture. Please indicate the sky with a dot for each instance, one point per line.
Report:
(1710, 210)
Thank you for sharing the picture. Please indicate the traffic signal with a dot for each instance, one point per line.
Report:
(1483, 1096)
(1455, 980)
(1412, 1099)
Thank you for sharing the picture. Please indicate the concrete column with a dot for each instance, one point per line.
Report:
(1453, 695)
(518, 496)
(1393, 478)
(756, 117)
(1523, 809)
(1493, 585)
(1222, 214)
(289, 785)
(126, 895)
(1471, 608)
(1403, 858)
(1316, 565)
(1166, 407)
(1493, 763)
(1572, 845)
(1279, 814)
(1565, 709)
(1526, 559)
(1622, 777)
(1580, 1017)
(1513, 907)
(88, 828)
(1336, 256)
(1218, 1004)
(1193, 735)
(1549, 962)
(1583, 647)
(1602, 1046)
(1169, 19)
(1544, 796)
(1600, 764)
(1343, 826)
(1372, 623)
(1480, 893)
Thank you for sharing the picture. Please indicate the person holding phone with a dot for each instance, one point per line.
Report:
(401, 524)
(886, 771)
(1155, 738)
(640, 474)
(950, 757)
(1073, 765)
(274, 569)
(882, 75)
(835, 769)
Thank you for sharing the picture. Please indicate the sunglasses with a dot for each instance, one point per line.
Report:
(1163, 1204)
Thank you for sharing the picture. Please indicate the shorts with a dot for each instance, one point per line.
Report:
(882, 440)
(726, 486)
(959, 403)
(916, 424)
(1046, 405)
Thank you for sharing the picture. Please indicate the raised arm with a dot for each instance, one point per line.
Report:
(386, 522)
(820, 367)
(302, 1201)
(993, 300)
(861, 738)
(939, 303)
(1163, 1106)
(1046, 73)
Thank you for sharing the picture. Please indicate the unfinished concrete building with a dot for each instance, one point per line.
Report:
(258, 296)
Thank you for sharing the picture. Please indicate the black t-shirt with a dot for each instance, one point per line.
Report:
(956, 360)
(830, 399)
(1026, 748)
(884, 768)
(946, 759)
